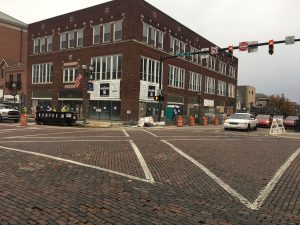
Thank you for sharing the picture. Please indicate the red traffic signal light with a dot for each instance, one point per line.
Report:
(230, 50)
(271, 47)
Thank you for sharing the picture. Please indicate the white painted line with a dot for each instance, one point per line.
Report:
(225, 186)
(78, 163)
(270, 186)
(149, 133)
(142, 161)
(54, 141)
(126, 134)
(34, 137)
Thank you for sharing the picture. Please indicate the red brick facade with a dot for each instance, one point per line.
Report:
(132, 13)
(13, 60)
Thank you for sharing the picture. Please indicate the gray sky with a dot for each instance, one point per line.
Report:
(224, 22)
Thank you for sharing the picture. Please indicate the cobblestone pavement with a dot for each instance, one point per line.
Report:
(66, 175)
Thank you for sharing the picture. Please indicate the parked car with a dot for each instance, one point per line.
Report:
(241, 121)
(289, 122)
(264, 120)
(278, 117)
(7, 113)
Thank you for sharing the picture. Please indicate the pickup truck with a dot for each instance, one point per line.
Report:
(7, 113)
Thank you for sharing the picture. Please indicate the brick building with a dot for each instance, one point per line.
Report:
(13, 55)
(123, 41)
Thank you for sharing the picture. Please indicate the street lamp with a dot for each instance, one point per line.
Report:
(13, 92)
(85, 95)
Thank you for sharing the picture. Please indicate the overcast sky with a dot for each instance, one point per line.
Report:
(224, 22)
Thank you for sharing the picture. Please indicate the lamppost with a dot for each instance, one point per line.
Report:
(85, 94)
(13, 92)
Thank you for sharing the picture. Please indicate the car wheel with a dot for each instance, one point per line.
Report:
(248, 127)
(255, 128)
(1, 120)
(225, 128)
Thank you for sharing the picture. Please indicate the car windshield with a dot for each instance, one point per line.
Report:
(240, 116)
(277, 117)
(262, 116)
(3, 106)
(291, 118)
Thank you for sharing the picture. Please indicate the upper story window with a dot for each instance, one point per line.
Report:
(231, 90)
(195, 82)
(221, 88)
(49, 43)
(232, 71)
(106, 32)
(63, 40)
(70, 74)
(204, 60)
(176, 46)
(80, 38)
(118, 30)
(96, 34)
(209, 85)
(71, 39)
(194, 58)
(43, 44)
(212, 63)
(176, 77)
(149, 70)
(153, 36)
(36, 48)
(107, 67)
(42, 73)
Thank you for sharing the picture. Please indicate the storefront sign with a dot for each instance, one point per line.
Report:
(209, 103)
(151, 91)
(104, 90)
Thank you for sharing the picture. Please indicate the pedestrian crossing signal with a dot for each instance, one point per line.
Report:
(159, 98)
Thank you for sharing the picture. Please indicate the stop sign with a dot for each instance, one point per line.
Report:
(243, 46)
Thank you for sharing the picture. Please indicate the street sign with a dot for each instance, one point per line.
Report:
(252, 48)
(243, 46)
(184, 54)
(214, 50)
(289, 40)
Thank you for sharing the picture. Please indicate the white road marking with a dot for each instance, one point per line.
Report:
(126, 134)
(79, 164)
(35, 137)
(264, 193)
(54, 141)
(142, 161)
(149, 133)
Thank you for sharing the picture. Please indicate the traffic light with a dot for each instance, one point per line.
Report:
(159, 98)
(230, 51)
(271, 47)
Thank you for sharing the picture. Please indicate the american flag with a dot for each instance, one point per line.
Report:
(78, 78)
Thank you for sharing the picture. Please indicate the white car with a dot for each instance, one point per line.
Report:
(241, 121)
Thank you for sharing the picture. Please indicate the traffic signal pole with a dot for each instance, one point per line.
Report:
(161, 59)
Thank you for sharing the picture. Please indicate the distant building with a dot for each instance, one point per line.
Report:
(123, 41)
(13, 59)
(247, 94)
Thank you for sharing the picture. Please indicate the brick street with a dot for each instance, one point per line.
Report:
(189, 175)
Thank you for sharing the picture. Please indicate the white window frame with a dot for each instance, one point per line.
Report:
(117, 28)
(36, 45)
(115, 67)
(153, 34)
(176, 77)
(145, 33)
(42, 73)
(172, 45)
(63, 39)
(105, 26)
(149, 70)
(71, 74)
(195, 80)
(221, 88)
(79, 37)
(160, 39)
(210, 85)
(42, 44)
(96, 28)
(49, 43)
(231, 90)
(71, 39)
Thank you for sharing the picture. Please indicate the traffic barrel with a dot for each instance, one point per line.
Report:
(192, 121)
(179, 121)
(24, 119)
(216, 120)
(204, 120)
